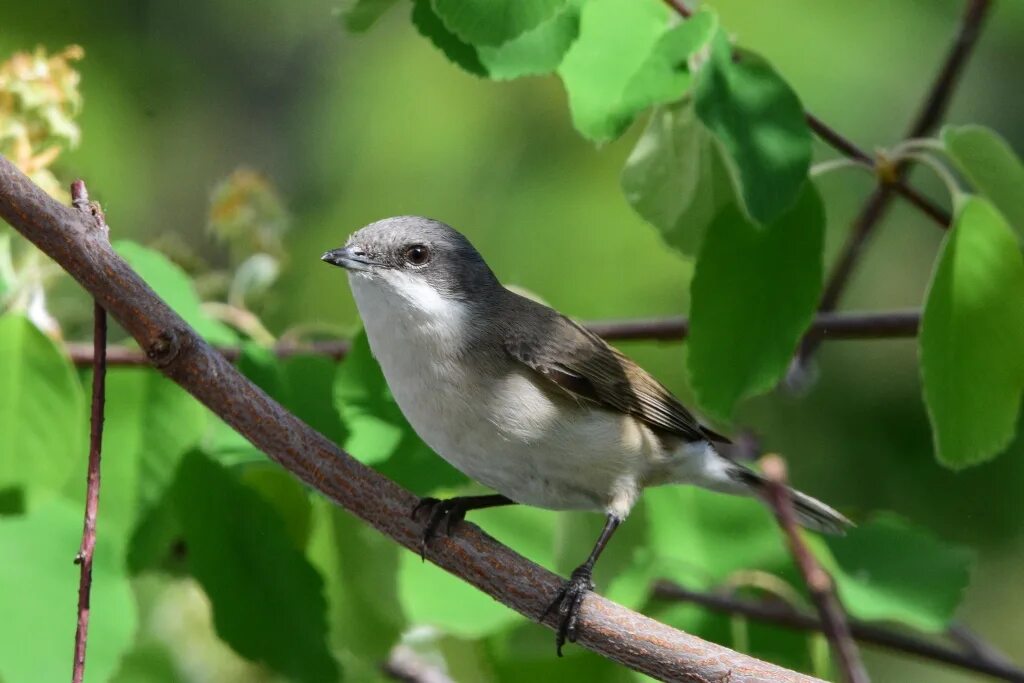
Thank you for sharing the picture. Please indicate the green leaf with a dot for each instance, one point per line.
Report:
(311, 391)
(42, 409)
(485, 22)
(361, 568)
(665, 74)
(360, 15)
(754, 293)
(433, 29)
(375, 424)
(649, 64)
(888, 570)
(676, 178)
(429, 595)
(302, 383)
(40, 591)
(760, 121)
(173, 285)
(989, 163)
(285, 492)
(972, 333)
(268, 601)
(686, 526)
(150, 424)
(536, 52)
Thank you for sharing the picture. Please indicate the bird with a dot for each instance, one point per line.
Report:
(525, 400)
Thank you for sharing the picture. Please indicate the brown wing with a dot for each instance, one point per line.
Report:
(586, 367)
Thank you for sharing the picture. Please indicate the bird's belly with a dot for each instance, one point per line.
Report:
(515, 438)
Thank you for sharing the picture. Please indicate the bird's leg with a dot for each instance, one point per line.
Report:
(450, 511)
(570, 599)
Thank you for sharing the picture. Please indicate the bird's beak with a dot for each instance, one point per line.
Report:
(349, 258)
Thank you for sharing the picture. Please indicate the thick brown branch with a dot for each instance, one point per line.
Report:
(80, 198)
(826, 326)
(606, 627)
(819, 583)
(979, 659)
(873, 211)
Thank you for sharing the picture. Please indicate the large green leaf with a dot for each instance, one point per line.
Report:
(754, 293)
(173, 285)
(375, 424)
(989, 163)
(687, 525)
(359, 15)
(485, 22)
(888, 570)
(675, 177)
(150, 424)
(39, 591)
(267, 599)
(360, 566)
(649, 65)
(972, 336)
(760, 121)
(433, 29)
(42, 409)
(536, 52)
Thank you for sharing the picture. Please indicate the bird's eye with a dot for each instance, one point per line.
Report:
(417, 255)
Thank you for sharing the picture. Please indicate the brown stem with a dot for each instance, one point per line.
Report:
(935, 103)
(827, 326)
(819, 583)
(176, 350)
(80, 199)
(977, 659)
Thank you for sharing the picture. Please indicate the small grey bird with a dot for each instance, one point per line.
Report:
(521, 398)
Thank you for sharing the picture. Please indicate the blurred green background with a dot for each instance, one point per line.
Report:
(355, 128)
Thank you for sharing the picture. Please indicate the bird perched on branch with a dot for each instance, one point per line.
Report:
(521, 398)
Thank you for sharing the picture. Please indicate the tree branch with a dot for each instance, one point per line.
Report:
(978, 659)
(826, 326)
(80, 199)
(819, 583)
(935, 103)
(172, 346)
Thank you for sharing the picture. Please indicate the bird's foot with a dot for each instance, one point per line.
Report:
(447, 511)
(568, 604)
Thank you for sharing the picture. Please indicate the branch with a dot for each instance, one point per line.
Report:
(826, 327)
(80, 199)
(936, 100)
(978, 659)
(819, 583)
(172, 346)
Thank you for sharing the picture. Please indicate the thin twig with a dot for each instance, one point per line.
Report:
(80, 199)
(934, 106)
(979, 659)
(826, 326)
(605, 627)
(819, 583)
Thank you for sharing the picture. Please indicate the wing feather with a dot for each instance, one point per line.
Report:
(588, 369)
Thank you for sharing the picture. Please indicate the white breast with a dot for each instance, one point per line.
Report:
(500, 426)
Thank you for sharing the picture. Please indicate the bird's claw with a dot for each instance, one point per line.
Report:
(568, 604)
(448, 511)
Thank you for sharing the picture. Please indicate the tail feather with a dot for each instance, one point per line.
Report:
(810, 512)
